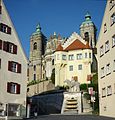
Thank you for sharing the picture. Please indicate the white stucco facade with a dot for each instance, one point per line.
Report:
(18, 79)
(106, 61)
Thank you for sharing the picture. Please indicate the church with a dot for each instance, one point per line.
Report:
(71, 58)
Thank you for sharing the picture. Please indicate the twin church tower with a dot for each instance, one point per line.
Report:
(41, 60)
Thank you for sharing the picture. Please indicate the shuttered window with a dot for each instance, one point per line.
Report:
(5, 28)
(14, 67)
(10, 47)
(13, 88)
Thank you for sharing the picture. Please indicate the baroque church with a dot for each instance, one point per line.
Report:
(61, 55)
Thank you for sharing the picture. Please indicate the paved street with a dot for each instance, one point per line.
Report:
(71, 117)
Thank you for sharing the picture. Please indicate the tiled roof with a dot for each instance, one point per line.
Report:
(59, 48)
(77, 44)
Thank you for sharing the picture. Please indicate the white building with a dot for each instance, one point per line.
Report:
(13, 68)
(106, 61)
(73, 61)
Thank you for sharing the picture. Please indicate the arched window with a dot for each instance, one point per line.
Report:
(87, 36)
(35, 46)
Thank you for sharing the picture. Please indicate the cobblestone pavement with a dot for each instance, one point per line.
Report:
(71, 117)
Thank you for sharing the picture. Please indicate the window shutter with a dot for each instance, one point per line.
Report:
(8, 87)
(5, 46)
(14, 49)
(0, 9)
(0, 44)
(8, 30)
(89, 77)
(18, 89)
(19, 68)
(10, 65)
(0, 26)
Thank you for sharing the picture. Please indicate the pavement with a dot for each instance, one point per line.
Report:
(70, 117)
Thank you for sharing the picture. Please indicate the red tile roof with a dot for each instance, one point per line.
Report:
(59, 48)
(77, 44)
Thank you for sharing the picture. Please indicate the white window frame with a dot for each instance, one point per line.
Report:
(80, 67)
(102, 72)
(112, 18)
(104, 92)
(71, 68)
(71, 57)
(64, 57)
(108, 70)
(107, 46)
(79, 56)
(14, 67)
(109, 90)
(113, 40)
(101, 51)
(13, 88)
(111, 4)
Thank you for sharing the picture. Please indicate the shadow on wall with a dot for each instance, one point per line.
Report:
(47, 103)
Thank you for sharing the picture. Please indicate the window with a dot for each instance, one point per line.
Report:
(34, 67)
(86, 36)
(113, 40)
(79, 56)
(71, 68)
(80, 67)
(14, 67)
(105, 27)
(114, 88)
(109, 90)
(35, 46)
(112, 4)
(13, 88)
(106, 46)
(102, 72)
(0, 63)
(108, 69)
(104, 92)
(85, 55)
(10, 47)
(63, 57)
(0, 44)
(5, 28)
(89, 55)
(53, 62)
(34, 76)
(114, 65)
(71, 57)
(112, 19)
(58, 57)
(101, 51)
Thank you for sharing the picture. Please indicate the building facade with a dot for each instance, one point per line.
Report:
(73, 61)
(46, 60)
(13, 68)
(106, 61)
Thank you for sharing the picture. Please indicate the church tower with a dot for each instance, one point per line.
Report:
(36, 52)
(88, 31)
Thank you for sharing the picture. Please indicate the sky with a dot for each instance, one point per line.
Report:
(61, 16)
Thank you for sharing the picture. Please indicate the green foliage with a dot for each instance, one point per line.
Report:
(53, 76)
(33, 82)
